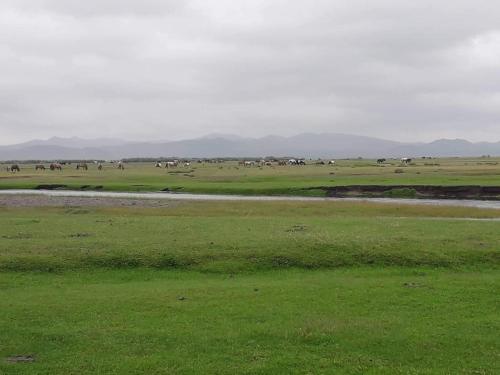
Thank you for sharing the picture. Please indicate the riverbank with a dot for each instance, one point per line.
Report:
(27, 197)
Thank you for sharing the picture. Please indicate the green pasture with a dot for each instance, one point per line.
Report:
(236, 236)
(345, 321)
(250, 288)
(231, 178)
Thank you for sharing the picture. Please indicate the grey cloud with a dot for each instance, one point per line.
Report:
(135, 69)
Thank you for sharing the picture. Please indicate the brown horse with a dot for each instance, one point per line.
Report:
(39, 166)
(55, 166)
(82, 166)
(15, 168)
(99, 166)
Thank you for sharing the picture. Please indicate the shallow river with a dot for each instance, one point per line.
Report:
(221, 197)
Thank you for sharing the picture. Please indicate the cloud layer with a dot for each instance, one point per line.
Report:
(160, 69)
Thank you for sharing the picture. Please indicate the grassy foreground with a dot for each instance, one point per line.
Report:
(353, 321)
(250, 287)
(230, 178)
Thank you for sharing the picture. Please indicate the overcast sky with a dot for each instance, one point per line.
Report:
(164, 69)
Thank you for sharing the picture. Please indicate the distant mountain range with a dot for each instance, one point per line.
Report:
(307, 145)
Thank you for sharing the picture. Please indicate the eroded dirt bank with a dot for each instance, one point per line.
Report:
(415, 191)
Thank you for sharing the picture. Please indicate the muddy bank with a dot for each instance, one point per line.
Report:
(64, 187)
(62, 201)
(415, 191)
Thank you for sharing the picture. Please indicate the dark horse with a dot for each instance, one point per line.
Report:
(380, 161)
(39, 166)
(15, 168)
(82, 166)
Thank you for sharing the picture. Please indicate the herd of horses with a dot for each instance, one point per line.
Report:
(59, 167)
(172, 164)
(187, 163)
(52, 167)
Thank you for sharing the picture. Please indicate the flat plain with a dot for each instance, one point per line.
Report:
(130, 287)
(249, 287)
(231, 178)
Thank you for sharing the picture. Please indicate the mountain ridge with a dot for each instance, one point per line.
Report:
(307, 145)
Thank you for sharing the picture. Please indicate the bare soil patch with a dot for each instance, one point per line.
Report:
(43, 201)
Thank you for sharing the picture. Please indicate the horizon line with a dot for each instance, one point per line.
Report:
(216, 135)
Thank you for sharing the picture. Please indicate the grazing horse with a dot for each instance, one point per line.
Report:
(158, 164)
(405, 160)
(121, 166)
(380, 161)
(55, 166)
(39, 166)
(171, 164)
(187, 164)
(249, 163)
(282, 162)
(15, 168)
(82, 166)
(301, 162)
(331, 162)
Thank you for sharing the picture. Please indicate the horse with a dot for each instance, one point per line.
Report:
(82, 166)
(55, 166)
(282, 162)
(187, 164)
(331, 162)
(301, 162)
(249, 163)
(171, 164)
(39, 166)
(121, 166)
(405, 160)
(380, 161)
(15, 168)
(99, 166)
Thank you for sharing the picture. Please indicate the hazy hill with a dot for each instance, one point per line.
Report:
(308, 145)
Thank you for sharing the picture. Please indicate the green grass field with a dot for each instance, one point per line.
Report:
(250, 287)
(288, 180)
